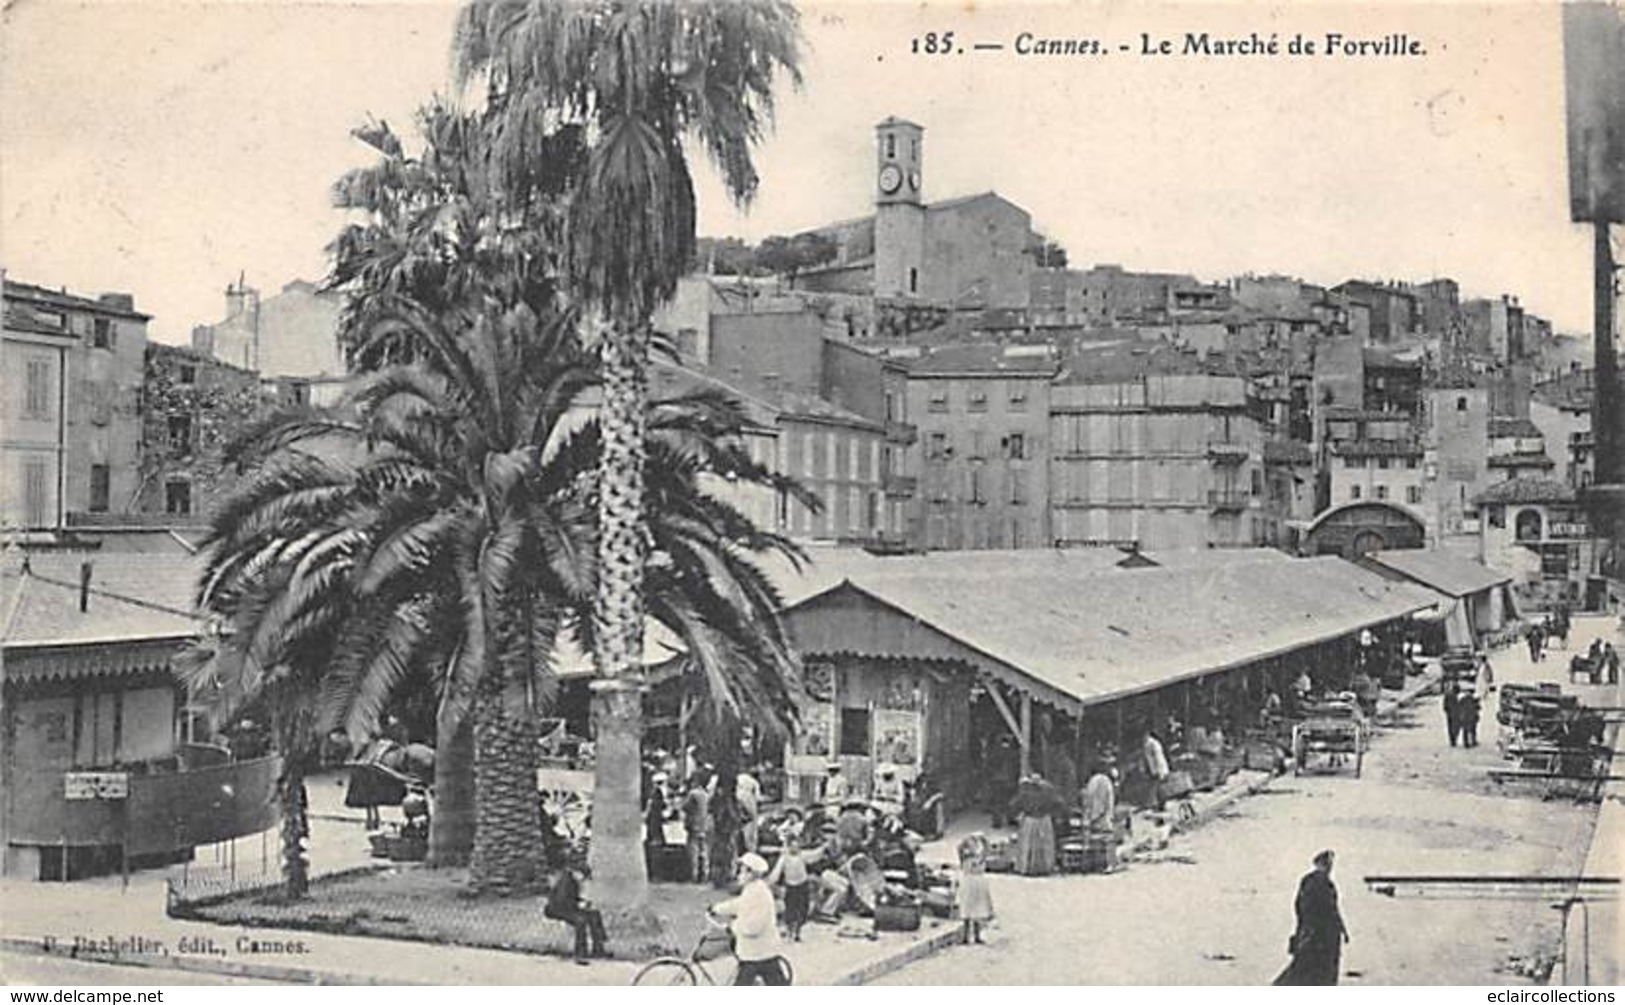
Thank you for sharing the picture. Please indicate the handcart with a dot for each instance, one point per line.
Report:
(1333, 730)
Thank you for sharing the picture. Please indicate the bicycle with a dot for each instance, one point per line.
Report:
(679, 971)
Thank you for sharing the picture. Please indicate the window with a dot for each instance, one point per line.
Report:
(975, 494)
(36, 493)
(187, 374)
(1354, 491)
(854, 508)
(1410, 463)
(1413, 494)
(891, 154)
(936, 448)
(180, 433)
(1528, 525)
(37, 390)
(1354, 462)
(832, 461)
(1461, 403)
(1015, 446)
(178, 498)
(939, 398)
(100, 487)
(853, 458)
(855, 732)
(1018, 398)
(101, 334)
(807, 468)
(1382, 492)
(913, 280)
(1382, 463)
(1018, 488)
(978, 401)
(1258, 482)
(55, 726)
(1498, 517)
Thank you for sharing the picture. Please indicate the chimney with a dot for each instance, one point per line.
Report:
(118, 301)
(84, 587)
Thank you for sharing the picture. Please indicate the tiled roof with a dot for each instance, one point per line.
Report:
(979, 360)
(1528, 459)
(1377, 448)
(1127, 361)
(1503, 426)
(1287, 452)
(1078, 637)
(32, 293)
(1447, 573)
(1527, 489)
(131, 597)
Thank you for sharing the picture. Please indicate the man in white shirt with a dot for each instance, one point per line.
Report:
(1156, 766)
(755, 926)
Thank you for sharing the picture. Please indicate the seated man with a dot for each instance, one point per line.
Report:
(564, 903)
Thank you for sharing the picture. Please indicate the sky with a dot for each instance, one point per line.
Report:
(163, 148)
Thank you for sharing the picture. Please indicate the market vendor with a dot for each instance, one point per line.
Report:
(835, 786)
(889, 792)
(852, 831)
(1100, 798)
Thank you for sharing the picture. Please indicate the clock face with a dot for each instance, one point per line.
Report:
(891, 179)
(914, 181)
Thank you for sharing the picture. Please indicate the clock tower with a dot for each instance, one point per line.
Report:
(899, 210)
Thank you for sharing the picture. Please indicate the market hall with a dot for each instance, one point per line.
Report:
(980, 671)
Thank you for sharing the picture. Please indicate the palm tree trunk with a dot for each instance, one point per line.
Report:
(507, 855)
(451, 827)
(290, 787)
(615, 856)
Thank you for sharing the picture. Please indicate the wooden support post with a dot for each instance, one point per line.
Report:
(1026, 733)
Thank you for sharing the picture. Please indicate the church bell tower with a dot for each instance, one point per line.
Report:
(899, 211)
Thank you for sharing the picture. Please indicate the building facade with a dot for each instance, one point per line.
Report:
(982, 453)
(293, 333)
(1158, 460)
(195, 406)
(70, 411)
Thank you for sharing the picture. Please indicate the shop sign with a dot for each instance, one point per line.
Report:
(1556, 529)
(80, 785)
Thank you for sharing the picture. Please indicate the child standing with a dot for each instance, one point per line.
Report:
(791, 870)
(975, 898)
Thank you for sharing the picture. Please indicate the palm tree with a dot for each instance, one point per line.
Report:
(640, 78)
(279, 621)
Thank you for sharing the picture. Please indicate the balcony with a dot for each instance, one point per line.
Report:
(901, 433)
(1226, 500)
(1226, 452)
(901, 486)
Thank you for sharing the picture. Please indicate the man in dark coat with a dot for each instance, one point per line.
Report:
(1452, 712)
(1317, 944)
(1467, 711)
(565, 903)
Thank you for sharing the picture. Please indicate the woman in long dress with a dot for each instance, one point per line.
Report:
(1036, 803)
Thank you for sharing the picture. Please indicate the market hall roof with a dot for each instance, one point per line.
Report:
(138, 611)
(1450, 574)
(129, 597)
(1072, 635)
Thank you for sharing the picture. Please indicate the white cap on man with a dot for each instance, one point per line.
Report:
(753, 862)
